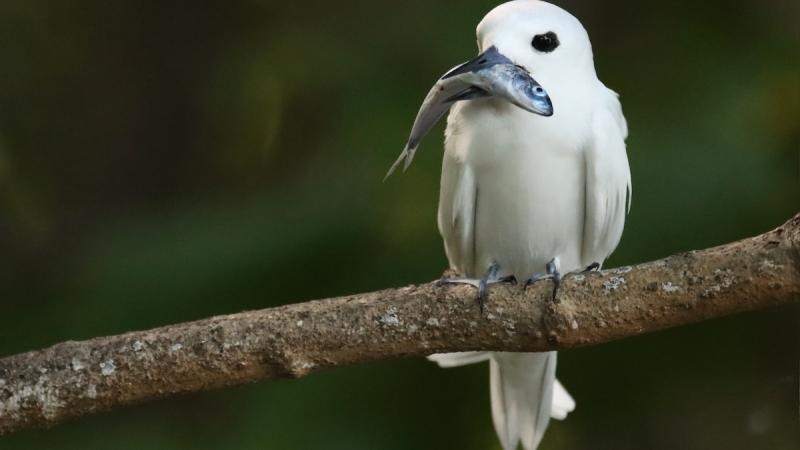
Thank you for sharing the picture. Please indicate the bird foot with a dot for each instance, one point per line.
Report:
(481, 284)
(551, 273)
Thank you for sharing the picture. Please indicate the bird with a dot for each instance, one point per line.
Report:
(535, 183)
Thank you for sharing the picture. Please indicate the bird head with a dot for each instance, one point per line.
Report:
(523, 41)
(520, 42)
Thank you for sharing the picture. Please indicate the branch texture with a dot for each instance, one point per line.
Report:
(70, 379)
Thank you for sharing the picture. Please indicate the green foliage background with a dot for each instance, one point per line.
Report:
(167, 161)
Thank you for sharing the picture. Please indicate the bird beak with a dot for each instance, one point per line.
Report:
(492, 74)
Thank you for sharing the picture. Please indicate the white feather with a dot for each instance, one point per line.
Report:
(450, 360)
(608, 180)
(456, 213)
(522, 391)
(519, 190)
(563, 403)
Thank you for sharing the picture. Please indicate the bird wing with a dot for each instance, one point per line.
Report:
(456, 218)
(608, 181)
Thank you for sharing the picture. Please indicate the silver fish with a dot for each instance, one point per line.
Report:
(489, 74)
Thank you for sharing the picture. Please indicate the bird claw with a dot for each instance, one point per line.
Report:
(593, 267)
(481, 284)
(551, 273)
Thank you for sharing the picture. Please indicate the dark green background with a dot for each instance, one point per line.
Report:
(168, 161)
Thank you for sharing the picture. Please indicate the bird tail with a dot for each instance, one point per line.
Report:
(448, 360)
(523, 386)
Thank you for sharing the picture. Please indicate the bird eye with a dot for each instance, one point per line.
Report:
(546, 42)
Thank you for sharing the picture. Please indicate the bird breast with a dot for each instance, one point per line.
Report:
(529, 181)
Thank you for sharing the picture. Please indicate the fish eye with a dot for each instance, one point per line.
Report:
(546, 42)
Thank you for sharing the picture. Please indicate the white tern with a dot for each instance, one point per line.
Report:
(535, 179)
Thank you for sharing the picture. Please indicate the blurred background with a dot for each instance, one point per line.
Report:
(167, 161)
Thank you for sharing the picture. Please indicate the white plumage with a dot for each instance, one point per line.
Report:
(519, 190)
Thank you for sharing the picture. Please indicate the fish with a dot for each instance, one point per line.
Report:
(489, 74)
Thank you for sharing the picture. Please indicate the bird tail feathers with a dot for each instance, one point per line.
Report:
(523, 386)
(563, 403)
(522, 389)
(449, 360)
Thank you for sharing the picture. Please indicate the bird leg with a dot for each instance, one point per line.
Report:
(551, 273)
(482, 284)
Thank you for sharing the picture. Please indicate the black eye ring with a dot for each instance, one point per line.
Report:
(546, 42)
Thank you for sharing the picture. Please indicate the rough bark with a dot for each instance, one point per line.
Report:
(67, 380)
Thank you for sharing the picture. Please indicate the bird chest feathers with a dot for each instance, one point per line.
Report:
(527, 180)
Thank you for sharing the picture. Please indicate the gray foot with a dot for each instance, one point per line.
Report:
(481, 284)
(551, 273)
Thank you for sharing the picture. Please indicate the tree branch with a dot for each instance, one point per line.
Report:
(67, 380)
